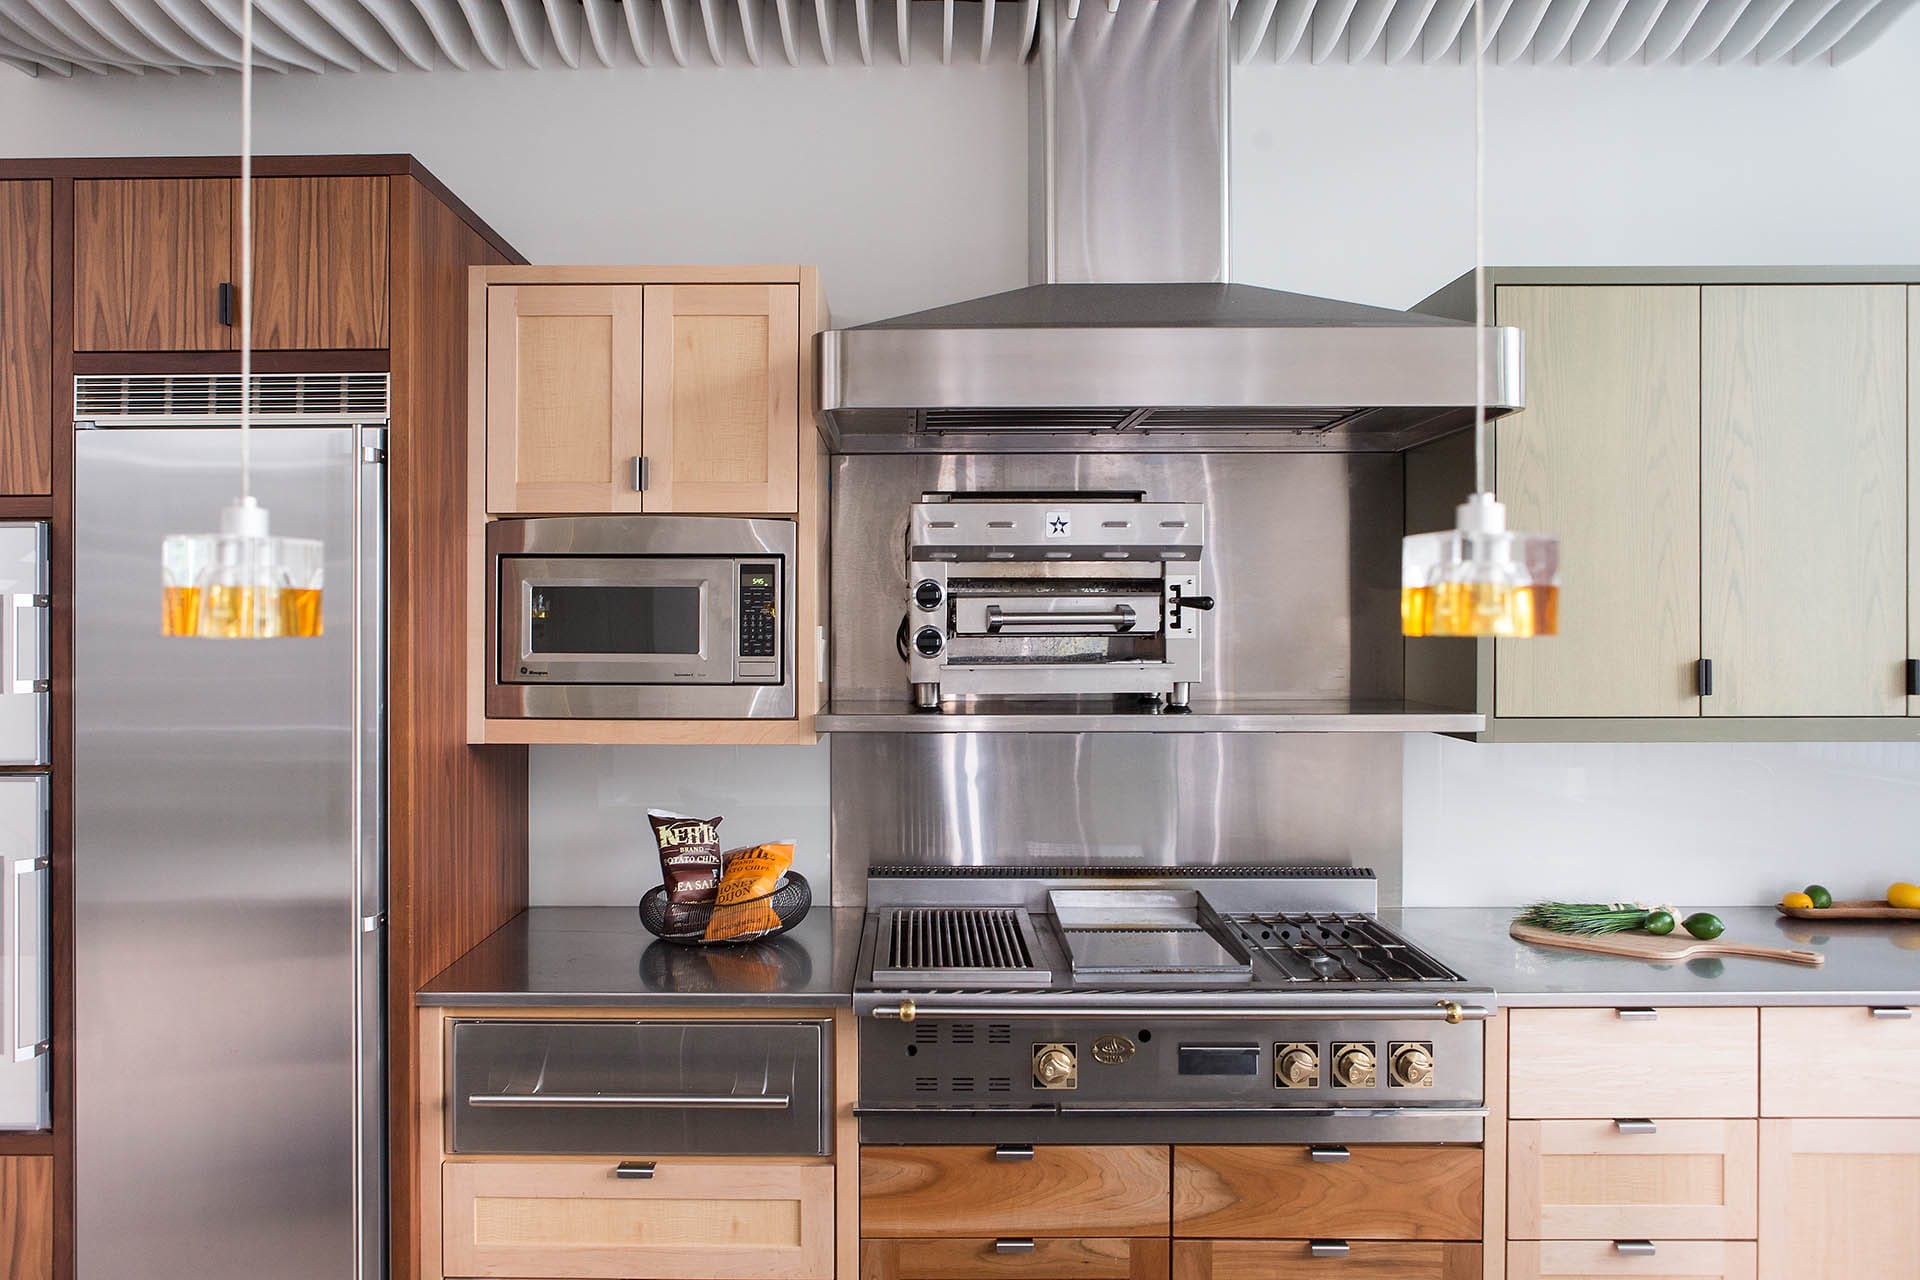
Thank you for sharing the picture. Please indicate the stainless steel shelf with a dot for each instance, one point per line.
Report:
(1239, 715)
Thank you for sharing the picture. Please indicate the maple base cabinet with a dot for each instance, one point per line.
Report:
(1840, 1199)
(1658, 1260)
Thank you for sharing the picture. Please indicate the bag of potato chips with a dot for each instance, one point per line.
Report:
(742, 906)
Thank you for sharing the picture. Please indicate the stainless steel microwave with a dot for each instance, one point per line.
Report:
(640, 617)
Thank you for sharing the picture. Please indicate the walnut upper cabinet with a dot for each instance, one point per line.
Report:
(156, 264)
(658, 397)
(26, 337)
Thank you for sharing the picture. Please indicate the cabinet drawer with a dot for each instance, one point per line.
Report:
(1839, 1062)
(1014, 1258)
(974, 1191)
(1373, 1193)
(1596, 1180)
(1603, 1063)
(617, 1088)
(1296, 1260)
(1597, 1259)
(716, 1221)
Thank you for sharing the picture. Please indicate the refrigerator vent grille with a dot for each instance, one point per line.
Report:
(360, 398)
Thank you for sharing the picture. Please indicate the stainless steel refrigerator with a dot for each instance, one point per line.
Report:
(229, 833)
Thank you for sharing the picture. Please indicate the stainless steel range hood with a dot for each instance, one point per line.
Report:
(1131, 334)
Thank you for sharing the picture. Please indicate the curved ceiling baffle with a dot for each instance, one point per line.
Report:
(173, 36)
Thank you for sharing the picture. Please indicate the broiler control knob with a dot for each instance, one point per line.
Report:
(1056, 1066)
(1411, 1064)
(1297, 1066)
(1354, 1066)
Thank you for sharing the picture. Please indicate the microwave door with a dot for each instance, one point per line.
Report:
(620, 621)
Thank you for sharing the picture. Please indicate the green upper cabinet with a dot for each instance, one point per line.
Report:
(1731, 460)
(1607, 456)
(1803, 432)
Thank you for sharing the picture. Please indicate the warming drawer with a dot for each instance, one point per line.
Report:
(638, 1088)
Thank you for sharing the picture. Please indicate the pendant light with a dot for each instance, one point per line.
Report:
(1479, 578)
(242, 583)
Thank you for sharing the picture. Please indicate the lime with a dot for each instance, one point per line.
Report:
(1821, 898)
(1659, 923)
(1704, 925)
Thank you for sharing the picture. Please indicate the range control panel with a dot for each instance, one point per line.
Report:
(1070, 1062)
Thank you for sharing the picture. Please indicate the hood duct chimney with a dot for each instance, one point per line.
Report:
(1128, 156)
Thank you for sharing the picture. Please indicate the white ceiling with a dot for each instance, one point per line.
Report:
(174, 36)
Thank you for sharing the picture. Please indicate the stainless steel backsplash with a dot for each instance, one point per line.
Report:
(1126, 799)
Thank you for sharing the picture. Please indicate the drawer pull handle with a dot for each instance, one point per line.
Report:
(1329, 1155)
(1637, 1015)
(1634, 1248)
(758, 1101)
(1013, 1246)
(1894, 1014)
(1013, 1151)
(635, 1170)
(1636, 1126)
(1329, 1248)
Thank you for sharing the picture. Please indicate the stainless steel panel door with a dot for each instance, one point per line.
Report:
(24, 612)
(226, 829)
(23, 952)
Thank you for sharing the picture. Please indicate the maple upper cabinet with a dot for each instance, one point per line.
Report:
(722, 416)
(563, 398)
(156, 264)
(642, 393)
(26, 337)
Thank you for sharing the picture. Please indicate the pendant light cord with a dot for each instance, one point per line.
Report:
(1479, 248)
(246, 249)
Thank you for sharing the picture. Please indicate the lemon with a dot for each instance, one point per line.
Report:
(1797, 902)
(1904, 895)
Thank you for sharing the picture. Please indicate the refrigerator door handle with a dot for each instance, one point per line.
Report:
(24, 1045)
(11, 607)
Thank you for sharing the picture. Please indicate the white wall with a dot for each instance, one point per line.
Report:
(907, 186)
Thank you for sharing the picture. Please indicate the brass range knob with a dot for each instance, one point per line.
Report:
(1055, 1066)
(1355, 1067)
(1412, 1065)
(1297, 1066)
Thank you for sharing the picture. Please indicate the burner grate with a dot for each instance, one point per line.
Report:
(1334, 947)
(952, 944)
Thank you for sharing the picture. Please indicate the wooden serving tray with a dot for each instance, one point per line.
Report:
(1668, 950)
(1854, 909)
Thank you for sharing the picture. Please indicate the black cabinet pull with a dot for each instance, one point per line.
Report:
(1913, 677)
(226, 304)
(1703, 677)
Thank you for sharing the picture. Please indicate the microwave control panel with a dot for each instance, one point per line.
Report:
(758, 654)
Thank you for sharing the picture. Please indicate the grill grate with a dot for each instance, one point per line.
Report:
(277, 397)
(1335, 948)
(957, 938)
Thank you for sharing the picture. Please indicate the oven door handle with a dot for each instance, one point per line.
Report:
(1440, 1011)
(1120, 617)
(764, 1101)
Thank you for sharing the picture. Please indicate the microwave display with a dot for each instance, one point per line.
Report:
(608, 619)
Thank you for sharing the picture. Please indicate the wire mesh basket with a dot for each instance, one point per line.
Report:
(754, 920)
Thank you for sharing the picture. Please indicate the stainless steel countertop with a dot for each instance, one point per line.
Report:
(1868, 963)
(580, 956)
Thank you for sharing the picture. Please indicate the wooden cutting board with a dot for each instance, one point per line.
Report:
(1670, 949)
(1853, 909)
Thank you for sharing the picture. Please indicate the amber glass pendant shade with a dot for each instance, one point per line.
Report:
(1479, 578)
(241, 583)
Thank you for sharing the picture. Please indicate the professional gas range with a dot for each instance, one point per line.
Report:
(1214, 1004)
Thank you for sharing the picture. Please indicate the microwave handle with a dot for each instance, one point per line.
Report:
(639, 480)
